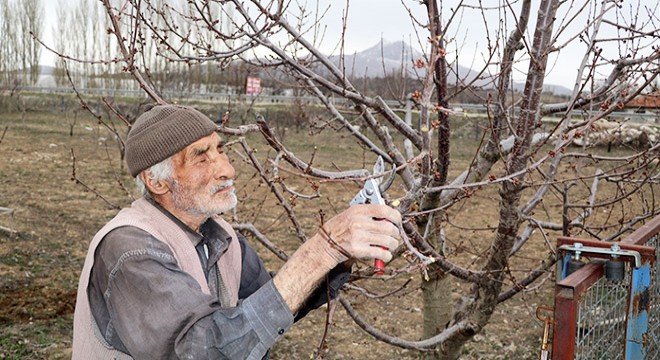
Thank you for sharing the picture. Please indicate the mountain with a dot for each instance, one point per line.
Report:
(557, 89)
(376, 60)
(388, 57)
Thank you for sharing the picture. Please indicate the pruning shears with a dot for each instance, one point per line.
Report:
(371, 193)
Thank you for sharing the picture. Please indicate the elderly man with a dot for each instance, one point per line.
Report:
(167, 278)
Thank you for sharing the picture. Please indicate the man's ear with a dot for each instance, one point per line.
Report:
(156, 187)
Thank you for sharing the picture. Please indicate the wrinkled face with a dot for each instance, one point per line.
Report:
(203, 178)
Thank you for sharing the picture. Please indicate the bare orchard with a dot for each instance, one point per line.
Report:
(61, 178)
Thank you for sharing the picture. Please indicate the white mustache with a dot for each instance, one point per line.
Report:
(222, 185)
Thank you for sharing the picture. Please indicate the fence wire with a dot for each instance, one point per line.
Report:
(602, 310)
(602, 316)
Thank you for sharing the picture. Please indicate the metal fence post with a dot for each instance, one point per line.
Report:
(638, 313)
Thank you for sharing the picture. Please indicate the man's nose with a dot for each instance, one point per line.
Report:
(223, 169)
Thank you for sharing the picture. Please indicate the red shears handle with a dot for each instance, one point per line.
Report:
(379, 265)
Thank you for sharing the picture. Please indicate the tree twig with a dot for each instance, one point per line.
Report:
(75, 179)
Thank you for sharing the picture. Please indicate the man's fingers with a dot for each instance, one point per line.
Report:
(387, 213)
(374, 247)
(380, 227)
(383, 249)
(387, 243)
(382, 254)
(378, 212)
(367, 252)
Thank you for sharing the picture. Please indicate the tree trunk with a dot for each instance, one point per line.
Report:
(485, 295)
(437, 288)
(436, 297)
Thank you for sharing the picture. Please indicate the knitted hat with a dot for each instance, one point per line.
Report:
(163, 131)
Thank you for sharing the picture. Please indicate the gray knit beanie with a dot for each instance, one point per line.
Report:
(163, 131)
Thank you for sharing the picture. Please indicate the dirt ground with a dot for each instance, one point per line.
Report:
(54, 218)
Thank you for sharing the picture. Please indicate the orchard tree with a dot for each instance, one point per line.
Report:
(520, 165)
(86, 54)
(19, 53)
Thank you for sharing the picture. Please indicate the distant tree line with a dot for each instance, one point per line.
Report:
(19, 54)
(90, 58)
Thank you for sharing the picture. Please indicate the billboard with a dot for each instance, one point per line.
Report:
(253, 86)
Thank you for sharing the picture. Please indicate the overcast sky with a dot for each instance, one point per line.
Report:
(370, 20)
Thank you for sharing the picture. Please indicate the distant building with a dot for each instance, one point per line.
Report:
(644, 109)
(643, 103)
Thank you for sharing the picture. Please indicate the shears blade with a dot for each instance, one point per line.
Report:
(370, 192)
(379, 168)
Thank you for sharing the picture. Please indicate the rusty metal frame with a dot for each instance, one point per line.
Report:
(571, 289)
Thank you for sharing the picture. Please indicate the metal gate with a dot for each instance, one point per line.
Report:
(608, 307)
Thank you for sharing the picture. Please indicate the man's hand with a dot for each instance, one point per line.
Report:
(362, 232)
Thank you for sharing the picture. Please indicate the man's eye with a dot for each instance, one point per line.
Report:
(200, 158)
